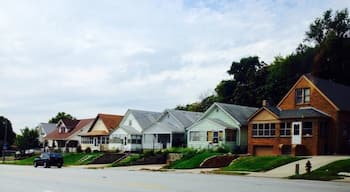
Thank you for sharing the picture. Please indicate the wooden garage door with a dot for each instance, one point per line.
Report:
(263, 150)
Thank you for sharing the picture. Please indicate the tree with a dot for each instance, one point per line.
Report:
(6, 126)
(28, 139)
(59, 116)
(328, 25)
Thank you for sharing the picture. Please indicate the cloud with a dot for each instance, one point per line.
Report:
(107, 56)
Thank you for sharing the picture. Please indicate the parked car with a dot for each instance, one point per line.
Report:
(49, 159)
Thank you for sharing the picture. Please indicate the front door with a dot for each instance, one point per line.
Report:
(296, 133)
(95, 141)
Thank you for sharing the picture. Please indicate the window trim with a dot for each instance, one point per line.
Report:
(261, 127)
(305, 98)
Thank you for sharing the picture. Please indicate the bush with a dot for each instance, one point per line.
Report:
(79, 150)
(148, 153)
(88, 150)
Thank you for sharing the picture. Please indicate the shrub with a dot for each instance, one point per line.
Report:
(88, 150)
(79, 150)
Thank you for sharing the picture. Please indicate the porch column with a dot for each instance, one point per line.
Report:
(171, 140)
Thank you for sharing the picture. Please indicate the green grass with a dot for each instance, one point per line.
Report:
(128, 160)
(256, 164)
(79, 158)
(69, 159)
(192, 162)
(328, 172)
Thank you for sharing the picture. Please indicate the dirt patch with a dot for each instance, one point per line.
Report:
(218, 161)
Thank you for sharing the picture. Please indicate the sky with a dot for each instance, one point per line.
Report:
(86, 57)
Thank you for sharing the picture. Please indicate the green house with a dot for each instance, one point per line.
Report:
(221, 124)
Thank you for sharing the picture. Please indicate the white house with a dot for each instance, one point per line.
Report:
(221, 124)
(169, 130)
(44, 129)
(128, 136)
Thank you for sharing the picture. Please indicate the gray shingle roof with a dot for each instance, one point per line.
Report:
(47, 127)
(130, 130)
(238, 112)
(187, 118)
(145, 118)
(297, 113)
(222, 123)
(339, 94)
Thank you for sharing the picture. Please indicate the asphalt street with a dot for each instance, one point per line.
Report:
(71, 179)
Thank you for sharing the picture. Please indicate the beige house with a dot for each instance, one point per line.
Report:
(97, 137)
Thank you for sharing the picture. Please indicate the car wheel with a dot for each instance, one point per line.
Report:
(59, 165)
(35, 164)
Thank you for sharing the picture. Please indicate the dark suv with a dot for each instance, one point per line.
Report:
(49, 159)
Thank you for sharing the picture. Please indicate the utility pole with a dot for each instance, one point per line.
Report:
(5, 141)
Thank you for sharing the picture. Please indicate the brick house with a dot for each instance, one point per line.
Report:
(312, 119)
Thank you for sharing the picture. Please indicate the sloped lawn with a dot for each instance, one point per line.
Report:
(327, 172)
(192, 162)
(69, 159)
(257, 164)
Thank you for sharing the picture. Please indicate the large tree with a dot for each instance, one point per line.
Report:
(59, 116)
(28, 139)
(337, 25)
(6, 127)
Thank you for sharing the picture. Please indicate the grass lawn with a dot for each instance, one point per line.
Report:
(327, 172)
(256, 164)
(69, 159)
(128, 160)
(192, 162)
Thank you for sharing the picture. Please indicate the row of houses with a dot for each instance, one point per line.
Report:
(312, 119)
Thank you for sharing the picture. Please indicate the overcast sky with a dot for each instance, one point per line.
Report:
(87, 57)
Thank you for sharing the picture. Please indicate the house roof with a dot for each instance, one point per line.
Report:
(297, 113)
(110, 121)
(130, 130)
(238, 112)
(47, 127)
(96, 133)
(70, 123)
(163, 127)
(56, 135)
(339, 94)
(186, 118)
(221, 123)
(145, 118)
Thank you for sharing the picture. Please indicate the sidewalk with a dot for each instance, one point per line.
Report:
(289, 169)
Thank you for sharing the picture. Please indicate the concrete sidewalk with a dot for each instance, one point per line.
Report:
(289, 169)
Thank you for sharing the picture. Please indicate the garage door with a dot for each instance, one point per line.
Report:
(263, 150)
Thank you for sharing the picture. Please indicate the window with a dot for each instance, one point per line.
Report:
(136, 139)
(264, 130)
(194, 136)
(230, 135)
(130, 122)
(307, 128)
(215, 137)
(302, 95)
(285, 129)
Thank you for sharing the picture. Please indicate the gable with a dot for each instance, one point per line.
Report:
(317, 99)
(217, 113)
(209, 125)
(130, 118)
(262, 116)
(169, 119)
(99, 126)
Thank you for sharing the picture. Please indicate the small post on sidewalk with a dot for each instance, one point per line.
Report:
(297, 169)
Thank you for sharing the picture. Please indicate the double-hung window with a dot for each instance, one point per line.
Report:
(302, 95)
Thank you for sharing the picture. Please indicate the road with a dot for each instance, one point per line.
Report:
(26, 178)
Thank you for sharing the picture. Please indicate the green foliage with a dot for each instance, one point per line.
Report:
(28, 139)
(190, 161)
(59, 116)
(255, 163)
(6, 126)
(327, 172)
(328, 25)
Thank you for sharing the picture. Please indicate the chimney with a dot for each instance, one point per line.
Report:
(265, 103)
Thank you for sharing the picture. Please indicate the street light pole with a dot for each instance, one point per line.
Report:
(5, 141)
